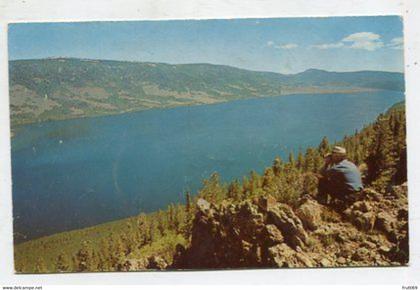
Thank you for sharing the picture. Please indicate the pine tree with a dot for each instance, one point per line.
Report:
(300, 162)
(269, 185)
(245, 187)
(176, 220)
(382, 158)
(310, 160)
(234, 190)
(83, 256)
(63, 263)
(160, 218)
(324, 146)
(188, 203)
(291, 159)
(102, 265)
(92, 261)
(105, 255)
(277, 166)
(152, 231)
(254, 183)
(212, 189)
(117, 250)
(40, 266)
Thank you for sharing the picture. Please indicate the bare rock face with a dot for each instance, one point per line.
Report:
(266, 233)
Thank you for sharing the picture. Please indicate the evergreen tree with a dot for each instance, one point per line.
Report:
(234, 190)
(63, 263)
(277, 166)
(83, 256)
(254, 183)
(176, 219)
(245, 187)
(292, 159)
(102, 265)
(300, 162)
(40, 266)
(382, 158)
(310, 160)
(161, 223)
(188, 203)
(212, 189)
(324, 146)
(269, 184)
(152, 231)
(93, 260)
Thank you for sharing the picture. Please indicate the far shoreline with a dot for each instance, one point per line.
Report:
(14, 127)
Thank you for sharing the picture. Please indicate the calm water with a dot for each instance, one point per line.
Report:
(76, 173)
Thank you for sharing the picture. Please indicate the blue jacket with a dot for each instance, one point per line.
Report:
(344, 177)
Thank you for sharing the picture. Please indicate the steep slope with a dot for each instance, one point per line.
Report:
(62, 88)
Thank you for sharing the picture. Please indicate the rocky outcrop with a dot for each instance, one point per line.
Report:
(265, 233)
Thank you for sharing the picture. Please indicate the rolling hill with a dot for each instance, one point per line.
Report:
(63, 88)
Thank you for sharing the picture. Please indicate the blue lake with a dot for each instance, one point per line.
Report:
(76, 173)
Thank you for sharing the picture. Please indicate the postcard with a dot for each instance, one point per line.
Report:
(208, 144)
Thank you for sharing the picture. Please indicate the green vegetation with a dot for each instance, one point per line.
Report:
(63, 88)
(379, 147)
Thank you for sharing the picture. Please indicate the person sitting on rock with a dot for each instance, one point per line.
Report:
(340, 179)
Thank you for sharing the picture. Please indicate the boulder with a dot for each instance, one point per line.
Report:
(157, 262)
(365, 221)
(272, 235)
(361, 254)
(283, 217)
(361, 214)
(305, 260)
(386, 223)
(371, 194)
(341, 260)
(266, 202)
(282, 255)
(363, 206)
(310, 214)
(325, 262)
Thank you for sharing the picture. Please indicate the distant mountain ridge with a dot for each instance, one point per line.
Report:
(63, 88)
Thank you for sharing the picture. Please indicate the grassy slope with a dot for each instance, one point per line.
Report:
(50, 247)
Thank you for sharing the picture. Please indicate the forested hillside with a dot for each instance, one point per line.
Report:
(62, 88)
(268, 220)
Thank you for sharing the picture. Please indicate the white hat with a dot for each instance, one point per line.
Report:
(339, 150)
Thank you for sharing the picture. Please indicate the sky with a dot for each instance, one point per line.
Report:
(285, 45)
